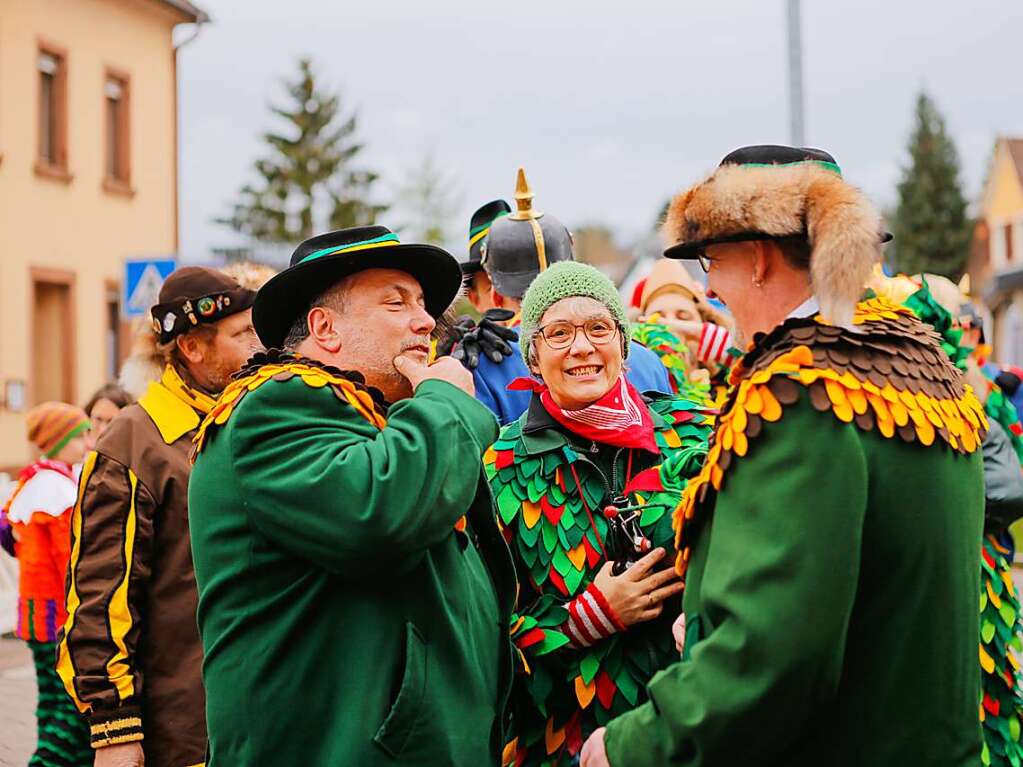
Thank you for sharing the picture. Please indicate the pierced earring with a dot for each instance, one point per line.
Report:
(758, 284)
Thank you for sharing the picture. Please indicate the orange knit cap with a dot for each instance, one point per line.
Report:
(52, 425)
(671, 277)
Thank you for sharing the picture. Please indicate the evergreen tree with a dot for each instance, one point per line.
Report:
(932, 232)
(426, 203)
(307, 183)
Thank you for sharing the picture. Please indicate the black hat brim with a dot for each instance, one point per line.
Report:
(470, 267)
(281, 300)
(688, 251)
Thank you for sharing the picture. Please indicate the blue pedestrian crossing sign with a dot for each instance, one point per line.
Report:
(143, 279)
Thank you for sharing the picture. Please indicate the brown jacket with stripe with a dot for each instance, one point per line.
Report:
(130, 654)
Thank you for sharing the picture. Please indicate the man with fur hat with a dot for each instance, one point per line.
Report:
(130, 654)
(346, 545)
(830, 542)
(518, 247)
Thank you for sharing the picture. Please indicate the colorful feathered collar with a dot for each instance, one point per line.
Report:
(890, 375)
(274, 364)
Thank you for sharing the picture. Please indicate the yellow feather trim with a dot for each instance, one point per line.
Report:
(962, 419)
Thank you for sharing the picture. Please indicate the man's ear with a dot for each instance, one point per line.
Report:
(190, 348)
(496, 298)
(762, 253)
(323, 330)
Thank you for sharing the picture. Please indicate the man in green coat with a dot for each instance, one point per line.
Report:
(831, 541)
(354, 589)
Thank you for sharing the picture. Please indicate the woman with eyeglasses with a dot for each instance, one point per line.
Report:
(586, 482)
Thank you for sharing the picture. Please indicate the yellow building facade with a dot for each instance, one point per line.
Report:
(88, 179)
(996, 258)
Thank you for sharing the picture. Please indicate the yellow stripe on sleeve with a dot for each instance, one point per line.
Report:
(118, 670)
(65, 667)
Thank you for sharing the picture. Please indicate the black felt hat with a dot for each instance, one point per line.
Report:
(479, 228)
(322, 261)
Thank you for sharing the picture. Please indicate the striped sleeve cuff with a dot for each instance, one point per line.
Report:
(715, 342)
(110, 728)
(590, 618)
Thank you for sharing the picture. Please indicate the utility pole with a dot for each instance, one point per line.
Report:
(796, 124)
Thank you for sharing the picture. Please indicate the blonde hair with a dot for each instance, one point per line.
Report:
(249, 274)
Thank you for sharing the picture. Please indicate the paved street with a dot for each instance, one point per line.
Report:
(18, 699)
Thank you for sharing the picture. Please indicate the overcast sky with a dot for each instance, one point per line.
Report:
(610, 106)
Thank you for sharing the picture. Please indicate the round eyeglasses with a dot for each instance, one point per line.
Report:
(704, 259)
(561, 334)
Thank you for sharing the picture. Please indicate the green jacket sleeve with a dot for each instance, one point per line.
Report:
(324, 483)
(782, 563)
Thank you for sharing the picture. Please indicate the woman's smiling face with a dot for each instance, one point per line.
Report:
(583, 371)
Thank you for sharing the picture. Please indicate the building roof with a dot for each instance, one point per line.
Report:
(1015, 146)
(190, 10)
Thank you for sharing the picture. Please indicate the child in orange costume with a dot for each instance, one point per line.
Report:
(34, 527)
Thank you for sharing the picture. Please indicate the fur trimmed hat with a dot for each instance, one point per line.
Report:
(776, 192)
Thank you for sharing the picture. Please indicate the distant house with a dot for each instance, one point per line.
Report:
(88, 178)
(995, 262)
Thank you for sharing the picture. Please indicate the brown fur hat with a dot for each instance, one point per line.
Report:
(774, 192)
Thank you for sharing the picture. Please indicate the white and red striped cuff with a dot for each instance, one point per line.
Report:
(590, 618)
(715, 341)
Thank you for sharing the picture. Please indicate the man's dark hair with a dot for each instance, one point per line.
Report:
(333, 297)
(796, 251)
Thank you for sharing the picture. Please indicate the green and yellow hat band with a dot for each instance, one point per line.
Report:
(833, 167)
(377, 242)
(481, 231)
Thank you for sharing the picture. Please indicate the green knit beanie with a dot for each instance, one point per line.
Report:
(567, 279)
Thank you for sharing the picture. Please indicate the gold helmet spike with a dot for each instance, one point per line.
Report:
(525, 212)
(523, 199)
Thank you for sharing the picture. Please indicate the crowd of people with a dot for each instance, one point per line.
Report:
(331, 522)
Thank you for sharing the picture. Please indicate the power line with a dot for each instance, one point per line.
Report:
(796, 121)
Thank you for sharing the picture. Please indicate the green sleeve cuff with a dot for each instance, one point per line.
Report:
(476, 416)
(629, 740)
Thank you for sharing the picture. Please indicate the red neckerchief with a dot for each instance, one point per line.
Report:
(619, 418)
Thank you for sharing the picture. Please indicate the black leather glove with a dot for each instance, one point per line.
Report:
(453, 334)
(489, 337)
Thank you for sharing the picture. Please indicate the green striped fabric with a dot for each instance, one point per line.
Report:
(62, 733)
